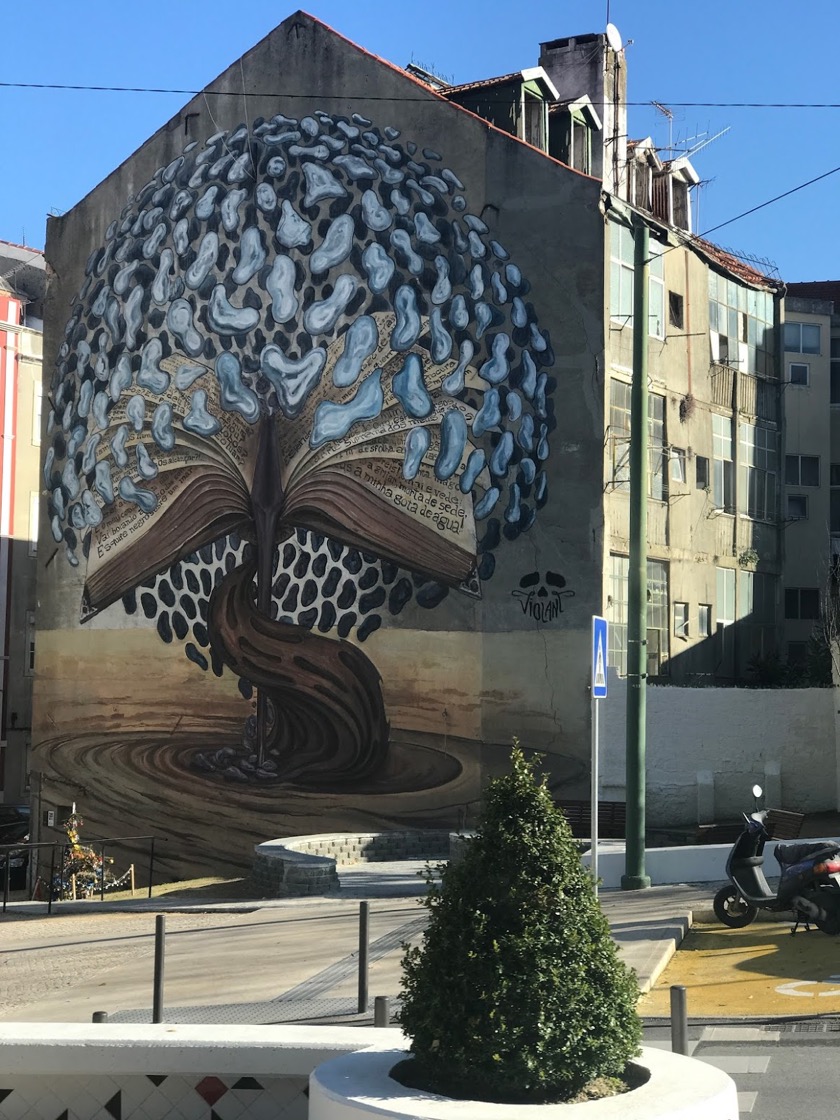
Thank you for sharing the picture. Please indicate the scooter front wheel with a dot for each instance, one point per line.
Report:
(732, 910)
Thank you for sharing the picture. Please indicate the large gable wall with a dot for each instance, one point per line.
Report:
(396, 687)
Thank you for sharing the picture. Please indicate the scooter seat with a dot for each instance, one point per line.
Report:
(788, 854)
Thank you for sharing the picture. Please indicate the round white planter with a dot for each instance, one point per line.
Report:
(358, 1086)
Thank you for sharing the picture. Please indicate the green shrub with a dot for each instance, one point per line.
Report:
(516, 993)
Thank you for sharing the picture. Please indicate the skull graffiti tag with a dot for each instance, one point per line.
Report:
(541, 598)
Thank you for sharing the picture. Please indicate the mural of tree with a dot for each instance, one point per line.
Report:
(302, 385)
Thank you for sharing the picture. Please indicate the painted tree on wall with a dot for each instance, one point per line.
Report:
(300, 385)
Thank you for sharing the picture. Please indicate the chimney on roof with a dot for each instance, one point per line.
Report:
(587, 64)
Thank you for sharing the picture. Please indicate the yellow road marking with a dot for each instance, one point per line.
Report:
(760, 970)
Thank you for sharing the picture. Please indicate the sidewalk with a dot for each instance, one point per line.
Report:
(263, 961)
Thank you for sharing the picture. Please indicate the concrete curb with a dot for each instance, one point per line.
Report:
(658, 952)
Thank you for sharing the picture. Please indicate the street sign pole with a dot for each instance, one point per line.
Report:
(598, 690)
(593, 813)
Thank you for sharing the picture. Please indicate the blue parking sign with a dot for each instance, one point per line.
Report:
(599, 658)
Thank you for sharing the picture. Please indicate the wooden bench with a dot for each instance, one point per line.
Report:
(612, 818)
(780, 824)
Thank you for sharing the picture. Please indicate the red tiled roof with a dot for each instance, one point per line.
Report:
(734, 264)
(26, 248)
(441, 93)
(563, 103)
(464, 87)
(719, 256)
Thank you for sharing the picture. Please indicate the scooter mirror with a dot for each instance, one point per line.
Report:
(757, 791)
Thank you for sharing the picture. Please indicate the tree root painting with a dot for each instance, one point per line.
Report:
(301, 387)
(326, 724)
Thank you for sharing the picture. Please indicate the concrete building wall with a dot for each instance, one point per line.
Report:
(807, 490)
(706, 747)
(401, 690)
(587, 64)
(695, 531)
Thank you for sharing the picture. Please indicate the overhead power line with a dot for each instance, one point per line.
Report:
(285, 96)
(770, 201)
(373, 97)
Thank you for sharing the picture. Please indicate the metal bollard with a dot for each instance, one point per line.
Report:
(52, 880)
(679, 1020)
(99, 1017)
(381, 1011)
(157, 1004)
(364, 935)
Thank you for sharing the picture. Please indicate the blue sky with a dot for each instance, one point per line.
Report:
(59, 144)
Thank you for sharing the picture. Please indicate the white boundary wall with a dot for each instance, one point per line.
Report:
(157, 1072)
(706, 747)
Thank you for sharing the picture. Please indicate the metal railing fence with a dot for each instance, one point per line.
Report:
(54, 846)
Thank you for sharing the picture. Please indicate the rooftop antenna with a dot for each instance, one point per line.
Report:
(706, 142)
(698, 195)
(705, 182)
(682, 144)
(666, 112)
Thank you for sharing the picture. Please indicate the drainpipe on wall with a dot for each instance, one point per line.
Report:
(781, 539)
(634, 877)
(739, 498)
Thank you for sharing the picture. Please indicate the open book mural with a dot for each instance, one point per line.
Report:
(301, 386)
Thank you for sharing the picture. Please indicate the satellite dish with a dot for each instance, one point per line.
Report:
(614, 38)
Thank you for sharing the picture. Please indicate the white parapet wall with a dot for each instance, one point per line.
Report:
(703, 863)
(155, 1072)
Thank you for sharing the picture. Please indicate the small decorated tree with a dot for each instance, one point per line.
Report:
(517, 993)
(83, 870)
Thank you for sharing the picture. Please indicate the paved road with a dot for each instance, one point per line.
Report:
(262, 962)
(783, 1071)
(269, 965)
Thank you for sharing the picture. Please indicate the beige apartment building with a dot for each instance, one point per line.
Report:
(715, 542)
(714, 538)
(811, 509)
